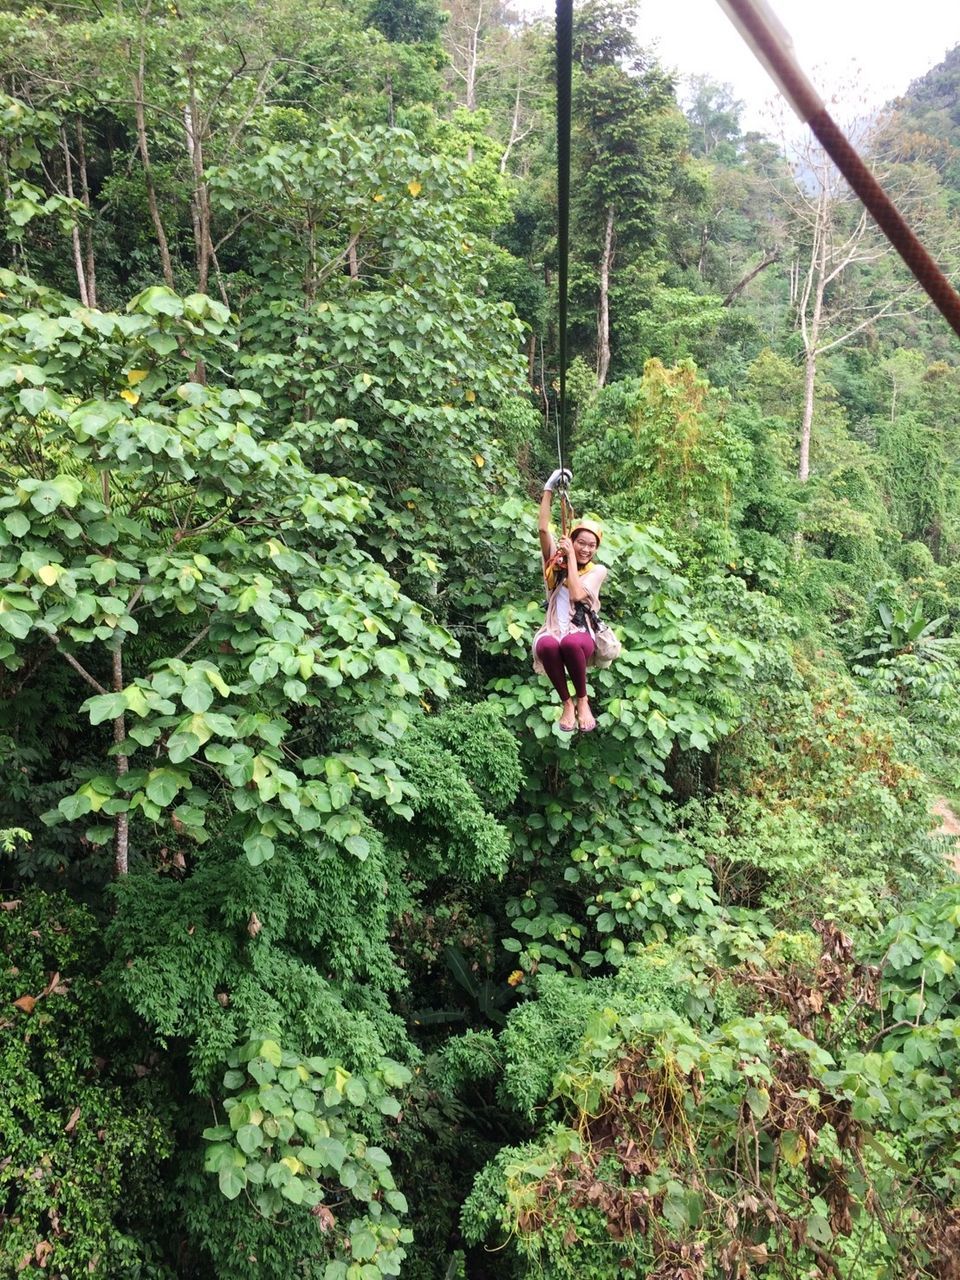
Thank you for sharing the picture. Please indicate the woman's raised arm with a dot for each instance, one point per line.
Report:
(548, 545)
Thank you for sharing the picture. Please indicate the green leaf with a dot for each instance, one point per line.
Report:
(103, 569)
(157, 301)
(356, 1092)
(220, 1154)
(76, 806)
(219, 1133)
(136, 700)
(105, 706)
(232, 1180)
(293, 1191)
(197, 696)
(17, 524)
(163, 784)
(394, 1073)
(818, 1228)
(676, 1208)
(15, 622)
(258, 848)
(182, 745)
(306, 1123)
(161, 343)
(758, 1100)
(270, 1050)
(34, 399)
(49, 495)
(249, 1138)
(363, 1244)
(69, 489)
(358, 846)
(302, 1099)
(331, 1151)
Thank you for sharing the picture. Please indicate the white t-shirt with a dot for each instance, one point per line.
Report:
(563, 606)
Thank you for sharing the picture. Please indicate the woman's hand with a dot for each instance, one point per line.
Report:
(565, 547)
(558, 477)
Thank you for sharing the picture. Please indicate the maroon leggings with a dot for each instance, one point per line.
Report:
(572, 654)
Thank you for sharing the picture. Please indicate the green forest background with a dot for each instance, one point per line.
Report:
(324, 953)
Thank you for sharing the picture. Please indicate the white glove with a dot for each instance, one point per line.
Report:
(561, 477)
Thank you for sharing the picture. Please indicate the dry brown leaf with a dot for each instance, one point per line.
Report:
(72, 1122)
(26, 1003)
(11, 905)
(51, 985)
(324, 1217)
(253, 924)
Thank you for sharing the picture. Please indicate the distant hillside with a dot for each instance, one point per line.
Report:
(931, 108)
(935, 97)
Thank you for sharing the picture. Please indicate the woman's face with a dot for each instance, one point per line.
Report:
(584, 545)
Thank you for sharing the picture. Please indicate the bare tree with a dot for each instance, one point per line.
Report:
(838, 287)
(522, 122)
(464, 33)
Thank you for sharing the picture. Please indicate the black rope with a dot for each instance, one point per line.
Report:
(564, 95)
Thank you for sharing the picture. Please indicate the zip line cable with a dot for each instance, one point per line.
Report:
(564, 32)
(770, 42)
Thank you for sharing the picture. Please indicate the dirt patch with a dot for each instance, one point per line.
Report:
(949, 822)
(949, 825)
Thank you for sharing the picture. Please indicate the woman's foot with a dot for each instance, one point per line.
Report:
(568, 717)
(585, 716)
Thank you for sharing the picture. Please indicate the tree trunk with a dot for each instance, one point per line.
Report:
(516, 135)
(90, 264)
(704, 241)
(121, 830)
(603, 319)
(121, 826)
(473, 59)
(152, 203)
(200, 199)
(78, 264)
(817, 280)
(806, 428)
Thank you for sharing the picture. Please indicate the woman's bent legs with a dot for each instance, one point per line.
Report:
(572, 654)
(576, 650)
(548, 651)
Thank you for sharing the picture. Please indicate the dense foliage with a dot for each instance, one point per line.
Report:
(324, 953)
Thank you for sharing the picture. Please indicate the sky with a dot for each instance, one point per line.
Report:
(864, 51)
(861, 52)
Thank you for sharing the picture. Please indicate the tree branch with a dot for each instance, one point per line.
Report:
(739, 287)
(80, 670)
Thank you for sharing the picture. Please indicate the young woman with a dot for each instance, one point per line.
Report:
(564, 644)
